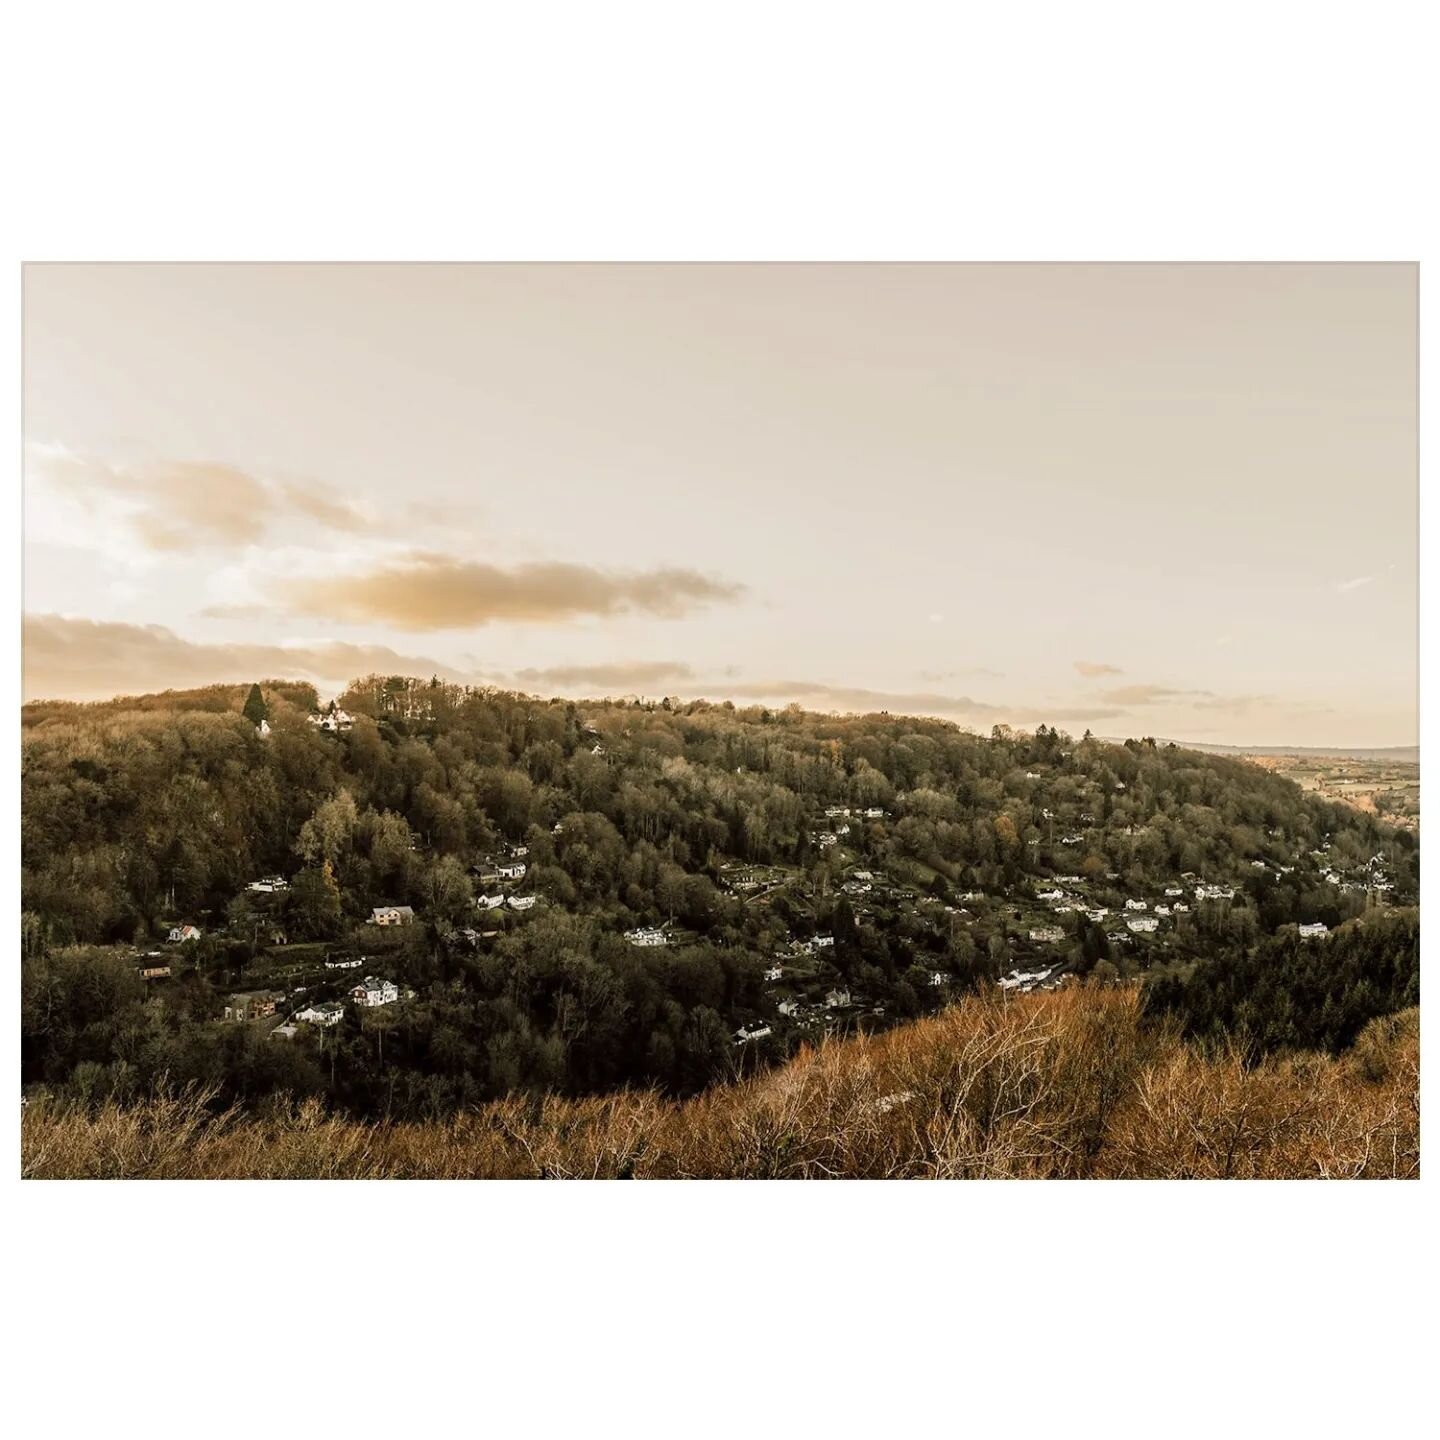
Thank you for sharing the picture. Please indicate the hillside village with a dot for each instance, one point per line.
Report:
(828, 893)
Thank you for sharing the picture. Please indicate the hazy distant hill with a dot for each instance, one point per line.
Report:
(1399, 754)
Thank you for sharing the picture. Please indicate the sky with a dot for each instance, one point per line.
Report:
(1171, 500)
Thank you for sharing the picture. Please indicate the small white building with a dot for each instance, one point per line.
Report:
(837, 999)
(322, 1015)
(1314, 930)
(269, 885)
(372, 992)
(1136, 905)
(521, 902)
(511, 870)
(182, 933)
(756, 1030)
(938, 978)
(1143, 924)
(822, 942)
(790, 1008)
(1048, 935)
(345, 963)
(774, 973)
(489, 902)
(647, 936)
(333, 720)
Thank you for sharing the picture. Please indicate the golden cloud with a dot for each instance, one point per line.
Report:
(427, 591)
(620, 676)
(68, 659)
(178, 504)
(1093, 667)
(820, 696)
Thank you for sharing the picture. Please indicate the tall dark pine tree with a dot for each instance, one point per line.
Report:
(256, 710)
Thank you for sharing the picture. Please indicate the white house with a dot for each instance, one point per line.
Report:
(489, 902)
(181, 933)
(823, 942)
(345, 964)
(1163, 910)
(756, 1030)
(333, 720)
(1048, 935)
(938, 978)
(392, 915)
(789, 1007)
(521, 902)
(372, 992)
(323, 1015)
(774, 972)
(647, 936)
(269, 885)
(1314, 931)
(1173, 890)
(263, 729)
(511, 870)
(874, 812)
(1049, 894)
(1143, 924)
(1214, 892)
(837, 999)
(833, 812)
(1097, 915)
(1136, 905)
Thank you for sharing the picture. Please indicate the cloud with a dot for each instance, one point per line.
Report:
(938, 677)
(426, 591)
(1345, 586)
(1138, 695)
(69, 659)
(1147, 694)
(177, 505)
(325, 506)
(622, 676)
(818, 695)
(1093, 668)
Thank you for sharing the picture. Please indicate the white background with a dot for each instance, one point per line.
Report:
(673, 131)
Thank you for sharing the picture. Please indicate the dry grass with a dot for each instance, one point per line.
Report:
(1062, 1085)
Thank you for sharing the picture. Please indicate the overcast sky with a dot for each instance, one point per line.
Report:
(1163, 500)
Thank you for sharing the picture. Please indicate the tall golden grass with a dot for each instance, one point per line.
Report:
(1064, 1085)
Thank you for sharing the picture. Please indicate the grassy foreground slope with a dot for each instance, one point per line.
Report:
(1073, 1083)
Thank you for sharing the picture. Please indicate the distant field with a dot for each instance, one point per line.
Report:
(1389, 788)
